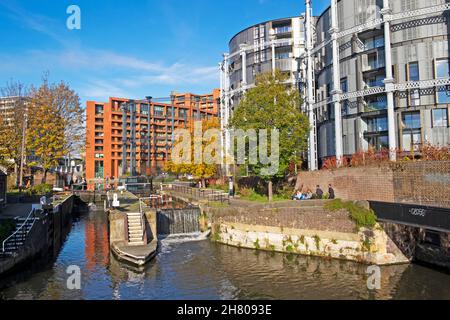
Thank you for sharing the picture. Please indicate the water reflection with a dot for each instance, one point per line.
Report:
(186, 269)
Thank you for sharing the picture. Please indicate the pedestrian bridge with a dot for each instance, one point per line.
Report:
(425, 217)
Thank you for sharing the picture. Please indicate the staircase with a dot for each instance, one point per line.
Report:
(19, 236)
(135, 229)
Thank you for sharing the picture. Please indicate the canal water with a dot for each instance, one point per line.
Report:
(190, 268)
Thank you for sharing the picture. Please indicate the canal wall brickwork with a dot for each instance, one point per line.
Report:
(423, 183)
(416, 244)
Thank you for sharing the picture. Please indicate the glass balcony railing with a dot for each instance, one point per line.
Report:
(375, 106)
(280, 30)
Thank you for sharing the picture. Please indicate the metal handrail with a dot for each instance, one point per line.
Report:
(200, 193)
(20, 228)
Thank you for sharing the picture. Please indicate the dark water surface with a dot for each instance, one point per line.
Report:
(186, 269)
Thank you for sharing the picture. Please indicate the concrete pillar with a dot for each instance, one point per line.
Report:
(336, 84)
(244, 66)
(274, 65)
(310, 99)
(221, 113)
(389, 82)
(227, 112)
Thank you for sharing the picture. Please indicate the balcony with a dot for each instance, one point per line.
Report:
(375, 106)
(283, 64)
(282, 30)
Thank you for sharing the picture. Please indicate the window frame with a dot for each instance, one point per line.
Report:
(433, 118)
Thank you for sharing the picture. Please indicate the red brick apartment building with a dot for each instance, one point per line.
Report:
(148, 139)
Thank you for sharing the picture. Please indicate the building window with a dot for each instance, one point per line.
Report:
(378, 142)
(414, 71)
(442, 70)
(98, 109)
(144, 109)
(443, 95)
(411, 120)
(376, 42)
(282, 55)
(412, 137)
(99, 171)
(378, 124)
(440, 117)
(159, 111)
(414, 76)
(344, 89)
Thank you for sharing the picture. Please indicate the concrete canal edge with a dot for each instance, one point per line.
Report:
(136, 255)
(365, 246)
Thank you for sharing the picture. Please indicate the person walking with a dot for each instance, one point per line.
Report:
(231, 187)
(319, 192)
(331, 192)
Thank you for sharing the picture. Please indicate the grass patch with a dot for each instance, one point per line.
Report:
(218, 204)
(252, 195)
(361, 216)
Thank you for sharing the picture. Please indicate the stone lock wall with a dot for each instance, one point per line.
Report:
(117, 227)
(359, 247)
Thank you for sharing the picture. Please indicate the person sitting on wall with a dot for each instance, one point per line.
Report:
(308, 195)
(319, 192)
(331, 192)
(298, 195)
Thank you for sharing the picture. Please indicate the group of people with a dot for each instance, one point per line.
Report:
(299, 194)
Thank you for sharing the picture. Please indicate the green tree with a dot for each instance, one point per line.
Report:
(273, 104)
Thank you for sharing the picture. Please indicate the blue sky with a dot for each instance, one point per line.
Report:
(129, 48)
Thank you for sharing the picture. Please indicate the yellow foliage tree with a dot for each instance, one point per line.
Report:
(200, 171)
(55, 123)
(12, 125)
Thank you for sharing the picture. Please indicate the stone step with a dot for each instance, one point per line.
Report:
(133, 214)
(136, 243)
(136, 227)
(134, 224)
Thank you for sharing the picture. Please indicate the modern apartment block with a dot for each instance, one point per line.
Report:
(134, 137)
(381, 76)
(373, 73)
(264, 47)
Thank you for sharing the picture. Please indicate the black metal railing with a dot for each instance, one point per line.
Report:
(197, 193)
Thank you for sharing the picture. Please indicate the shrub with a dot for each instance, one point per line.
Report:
(6, 229)
(361, 216)
(284, 193)
(41, 189)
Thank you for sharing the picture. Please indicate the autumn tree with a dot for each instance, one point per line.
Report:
(55, 123)
(12, 124)
(203, 170)
(271, 104)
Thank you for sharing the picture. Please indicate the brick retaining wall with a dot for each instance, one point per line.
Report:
(424, 183)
